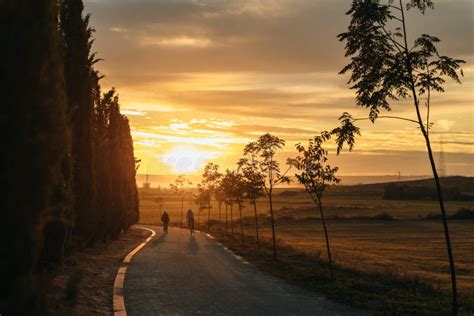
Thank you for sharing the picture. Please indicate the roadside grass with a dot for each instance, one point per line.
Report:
(414, 248)
(83, 285)
(382, 292)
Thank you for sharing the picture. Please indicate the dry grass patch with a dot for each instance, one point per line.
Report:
(382, 291)
(84, 284)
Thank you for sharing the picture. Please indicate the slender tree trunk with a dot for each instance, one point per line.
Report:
(226, 211)
(241, 223)
(433, 168)
(256, 224)
(273, 225)
(232, 219)
(182, 210)
(209, 218)
(445, 223)
(326, 236)
(220, 218)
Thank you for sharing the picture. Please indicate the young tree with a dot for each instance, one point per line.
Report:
(253, 183)
(227, 184)
(385, 67)
(210, 181)
(227, 202)
(220, 198)
(178, 187)
(160, 202)
(264, 150)
(202, 200)
(238, 195)
(316, 175)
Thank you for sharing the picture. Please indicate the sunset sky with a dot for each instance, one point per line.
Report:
(200, 79)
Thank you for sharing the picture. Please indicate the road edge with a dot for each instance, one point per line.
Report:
(118, 302)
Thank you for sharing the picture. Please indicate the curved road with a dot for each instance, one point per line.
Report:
(182, 275)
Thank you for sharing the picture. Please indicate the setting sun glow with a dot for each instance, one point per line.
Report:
(185, 159)
(200, 79)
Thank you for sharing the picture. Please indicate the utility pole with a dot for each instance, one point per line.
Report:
(441, 160)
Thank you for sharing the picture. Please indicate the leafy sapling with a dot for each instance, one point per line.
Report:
(316, 176)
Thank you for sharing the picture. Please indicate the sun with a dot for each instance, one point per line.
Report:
(186, 159)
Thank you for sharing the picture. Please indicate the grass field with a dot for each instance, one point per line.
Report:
(408, 246)
(299, 206)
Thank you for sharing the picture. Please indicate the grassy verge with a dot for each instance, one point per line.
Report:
(84, 284)
(381, 292)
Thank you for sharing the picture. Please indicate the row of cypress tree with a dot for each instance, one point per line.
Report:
(68, 154)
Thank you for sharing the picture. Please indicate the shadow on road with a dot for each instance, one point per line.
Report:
(192, 245)
(158, 241)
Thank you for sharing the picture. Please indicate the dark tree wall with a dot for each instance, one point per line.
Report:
(34, 105)
(68, 160)
(79, 76)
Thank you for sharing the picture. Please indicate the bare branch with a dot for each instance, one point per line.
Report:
(389, 117)
(394, 7)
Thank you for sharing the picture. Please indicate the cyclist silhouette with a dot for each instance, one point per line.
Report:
(190, 217)
(165, 219)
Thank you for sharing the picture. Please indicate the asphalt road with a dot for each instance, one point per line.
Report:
(182, 275)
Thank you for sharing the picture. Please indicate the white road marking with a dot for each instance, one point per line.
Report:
(225, 248)
(118, 301)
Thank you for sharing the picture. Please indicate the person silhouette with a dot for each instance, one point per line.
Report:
(165, 219)
(190, 217)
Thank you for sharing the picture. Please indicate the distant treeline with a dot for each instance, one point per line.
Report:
(68, 155)
(395, 191)
(455, 188)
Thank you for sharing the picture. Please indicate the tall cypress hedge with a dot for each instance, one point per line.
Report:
(68, 160)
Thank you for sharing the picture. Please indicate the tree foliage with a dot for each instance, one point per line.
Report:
(210, 182)
(79, 78)
(229, 184)
(314, 172)
(316, 175)
(35, 120)
(70, 167)
(179, 185)
(262, 153)
(179, 188)
(385, 67)
(253, 182)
